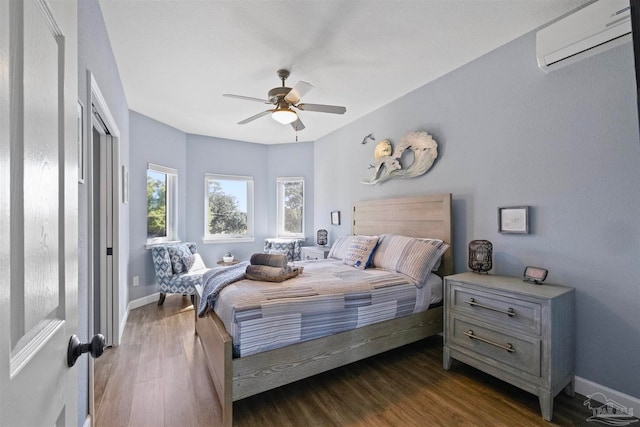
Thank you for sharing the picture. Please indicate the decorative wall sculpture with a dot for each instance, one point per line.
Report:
(389, 162)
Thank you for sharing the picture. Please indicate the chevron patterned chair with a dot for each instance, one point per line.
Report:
(291, 247)
(178, 269)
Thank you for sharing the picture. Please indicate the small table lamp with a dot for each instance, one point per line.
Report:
(480, 256)
(321, 237)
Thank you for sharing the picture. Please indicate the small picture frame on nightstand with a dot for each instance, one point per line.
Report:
(535, 275)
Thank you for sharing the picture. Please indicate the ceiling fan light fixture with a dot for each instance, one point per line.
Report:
(284, 115)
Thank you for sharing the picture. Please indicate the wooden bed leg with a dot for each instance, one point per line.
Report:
(162, 297)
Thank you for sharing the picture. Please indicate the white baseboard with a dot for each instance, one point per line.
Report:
(87, 421)
(149, 299)
(586, 388)
(123, 323)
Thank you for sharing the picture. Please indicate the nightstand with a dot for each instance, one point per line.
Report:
(314, 252)
(518, 332)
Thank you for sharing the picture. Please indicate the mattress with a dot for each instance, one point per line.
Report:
(327, 298)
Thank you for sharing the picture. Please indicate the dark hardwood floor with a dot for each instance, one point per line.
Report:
(157, 377)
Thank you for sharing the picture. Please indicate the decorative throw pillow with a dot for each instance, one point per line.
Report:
(188, 261)
(410, 256)
(177, 253)
(339, 247)
(436, 266)
(360, 251)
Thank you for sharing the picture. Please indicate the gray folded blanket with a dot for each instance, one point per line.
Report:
(272, 260)
(267, 270)
(215, 280)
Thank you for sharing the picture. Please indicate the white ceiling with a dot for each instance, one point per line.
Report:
(176, 58)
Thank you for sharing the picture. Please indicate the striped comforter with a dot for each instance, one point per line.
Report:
(327, 298)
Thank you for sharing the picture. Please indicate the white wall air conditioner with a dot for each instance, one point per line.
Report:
(592, 29)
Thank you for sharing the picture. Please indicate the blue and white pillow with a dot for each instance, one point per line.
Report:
(181, 258)
(360, 251)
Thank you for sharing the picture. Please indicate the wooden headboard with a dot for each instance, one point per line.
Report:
(421, 216)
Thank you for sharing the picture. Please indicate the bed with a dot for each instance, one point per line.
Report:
(236, 378)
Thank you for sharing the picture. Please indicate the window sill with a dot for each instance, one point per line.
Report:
(229, 240)
(167, 242)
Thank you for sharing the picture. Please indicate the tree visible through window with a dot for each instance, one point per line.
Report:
(229, 201)
(161, 203)
(290, 207)
(156, 204)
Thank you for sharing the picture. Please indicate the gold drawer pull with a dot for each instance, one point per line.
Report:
(507, 347)
(510, 312)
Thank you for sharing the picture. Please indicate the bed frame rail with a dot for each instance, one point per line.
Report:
(264, 371)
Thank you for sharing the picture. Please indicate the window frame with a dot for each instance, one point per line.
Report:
(171, 196)
(228, 238)
(280, 217)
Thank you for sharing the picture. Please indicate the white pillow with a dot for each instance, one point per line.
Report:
(198, 264)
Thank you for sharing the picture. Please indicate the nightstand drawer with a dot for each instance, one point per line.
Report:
(505, 311)
(310, 253)
(519, 352)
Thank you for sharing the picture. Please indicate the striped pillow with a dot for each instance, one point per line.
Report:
(407, 255)
(360, 251)
(339, 248)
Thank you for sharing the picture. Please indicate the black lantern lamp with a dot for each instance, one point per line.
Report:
(480, 255)
(321, 237)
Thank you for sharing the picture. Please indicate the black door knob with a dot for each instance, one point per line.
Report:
(76, 348)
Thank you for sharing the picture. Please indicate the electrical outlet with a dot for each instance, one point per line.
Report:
(136, 280)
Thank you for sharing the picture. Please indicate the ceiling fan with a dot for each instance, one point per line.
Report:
(284, 98)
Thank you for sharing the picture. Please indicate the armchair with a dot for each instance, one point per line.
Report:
(291, 247)
(178, 269)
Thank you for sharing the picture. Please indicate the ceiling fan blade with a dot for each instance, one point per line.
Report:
(334, 109)
(297, 125)
(257, 116)
(246, 98)
(297, 92)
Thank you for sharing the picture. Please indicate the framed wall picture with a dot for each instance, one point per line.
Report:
(81, 149)
(513, 220)
(125, 184)
(335, 218)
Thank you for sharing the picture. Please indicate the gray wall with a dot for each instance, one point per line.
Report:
(95, 54)
(564, 143)
(193, 156)
(214, 155)
(151, 142)
(294, 159)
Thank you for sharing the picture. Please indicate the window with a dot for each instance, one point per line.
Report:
(290, 206)
(162, 189)
(228, 208)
